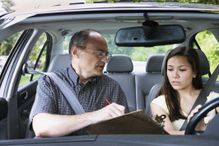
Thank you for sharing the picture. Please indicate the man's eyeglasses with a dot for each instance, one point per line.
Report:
(99, 53)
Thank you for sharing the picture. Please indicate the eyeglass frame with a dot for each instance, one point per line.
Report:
(98, 53)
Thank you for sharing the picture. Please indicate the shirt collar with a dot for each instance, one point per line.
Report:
(73, 75)
(75, 78)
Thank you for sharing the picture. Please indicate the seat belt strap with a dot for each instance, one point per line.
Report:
(201, 99)
(69, 95)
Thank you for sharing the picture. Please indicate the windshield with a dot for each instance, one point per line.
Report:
(12, 5)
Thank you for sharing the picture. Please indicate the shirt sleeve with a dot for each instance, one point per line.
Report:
(44, 99)
(160, 101)
(212, 113)
(212, 96)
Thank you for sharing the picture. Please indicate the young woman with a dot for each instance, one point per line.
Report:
(181, 87)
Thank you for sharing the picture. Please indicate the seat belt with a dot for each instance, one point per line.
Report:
(201, 99)
(68, 93)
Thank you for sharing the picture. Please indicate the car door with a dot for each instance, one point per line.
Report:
(7, 53)
(38, 60)
(31, 48)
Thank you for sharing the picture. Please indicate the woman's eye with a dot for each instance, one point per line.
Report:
(170, 69)
(182, 70)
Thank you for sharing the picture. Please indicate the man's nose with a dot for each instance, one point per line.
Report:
(105, 59)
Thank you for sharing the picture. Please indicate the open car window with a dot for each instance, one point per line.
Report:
(209, 43)
(37, 59)
(5, 48)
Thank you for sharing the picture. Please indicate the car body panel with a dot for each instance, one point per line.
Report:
(120, 140)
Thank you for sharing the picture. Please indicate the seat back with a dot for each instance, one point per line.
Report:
(120, 68)
(145, 81)
(59, 62)
(204, 68)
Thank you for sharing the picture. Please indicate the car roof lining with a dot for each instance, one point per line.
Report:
(119, 20)
(107, 23)
(159, 15)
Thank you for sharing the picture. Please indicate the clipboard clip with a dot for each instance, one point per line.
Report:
(160, 119)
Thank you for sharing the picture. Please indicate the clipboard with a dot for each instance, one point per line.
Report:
(136, 122)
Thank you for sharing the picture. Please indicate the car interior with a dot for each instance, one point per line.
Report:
(42, 46)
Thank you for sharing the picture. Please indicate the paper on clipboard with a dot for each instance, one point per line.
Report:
(136, 122)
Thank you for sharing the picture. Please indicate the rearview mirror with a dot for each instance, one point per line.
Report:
(150, 35)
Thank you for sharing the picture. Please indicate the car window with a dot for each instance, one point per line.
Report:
(210, 47)
(36, 59)
(6, 47)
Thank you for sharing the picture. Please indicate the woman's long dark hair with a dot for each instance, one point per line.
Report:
(171, 96)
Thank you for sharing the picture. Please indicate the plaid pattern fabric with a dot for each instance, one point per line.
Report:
(92, 95)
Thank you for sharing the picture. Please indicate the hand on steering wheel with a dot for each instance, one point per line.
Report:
(190, 129)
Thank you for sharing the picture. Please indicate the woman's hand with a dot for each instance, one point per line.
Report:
(201, 126)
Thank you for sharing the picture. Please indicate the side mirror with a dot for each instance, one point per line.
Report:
(150, 35)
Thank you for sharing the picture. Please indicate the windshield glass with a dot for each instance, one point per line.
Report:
(11, 5)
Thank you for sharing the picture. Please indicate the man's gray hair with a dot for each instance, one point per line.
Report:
(80, 38)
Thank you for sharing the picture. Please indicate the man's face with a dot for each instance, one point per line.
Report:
(92, 59)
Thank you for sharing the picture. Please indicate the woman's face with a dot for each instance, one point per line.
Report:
(180, 73)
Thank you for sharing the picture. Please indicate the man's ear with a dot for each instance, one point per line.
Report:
(74, 51)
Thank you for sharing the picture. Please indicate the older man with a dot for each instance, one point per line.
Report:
(52, 115)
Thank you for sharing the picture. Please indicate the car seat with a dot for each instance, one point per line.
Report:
(145, 81)
(120, 68)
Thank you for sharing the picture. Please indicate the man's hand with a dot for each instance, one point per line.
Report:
(110, 111)
(44, 123)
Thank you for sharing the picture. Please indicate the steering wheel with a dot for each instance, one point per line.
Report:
(190, 129)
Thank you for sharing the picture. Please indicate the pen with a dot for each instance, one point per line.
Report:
(108, 101)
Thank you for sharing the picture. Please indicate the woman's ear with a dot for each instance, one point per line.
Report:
(194, 75)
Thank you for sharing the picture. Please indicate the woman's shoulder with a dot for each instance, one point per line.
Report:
(212, 95)
(159, 100)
